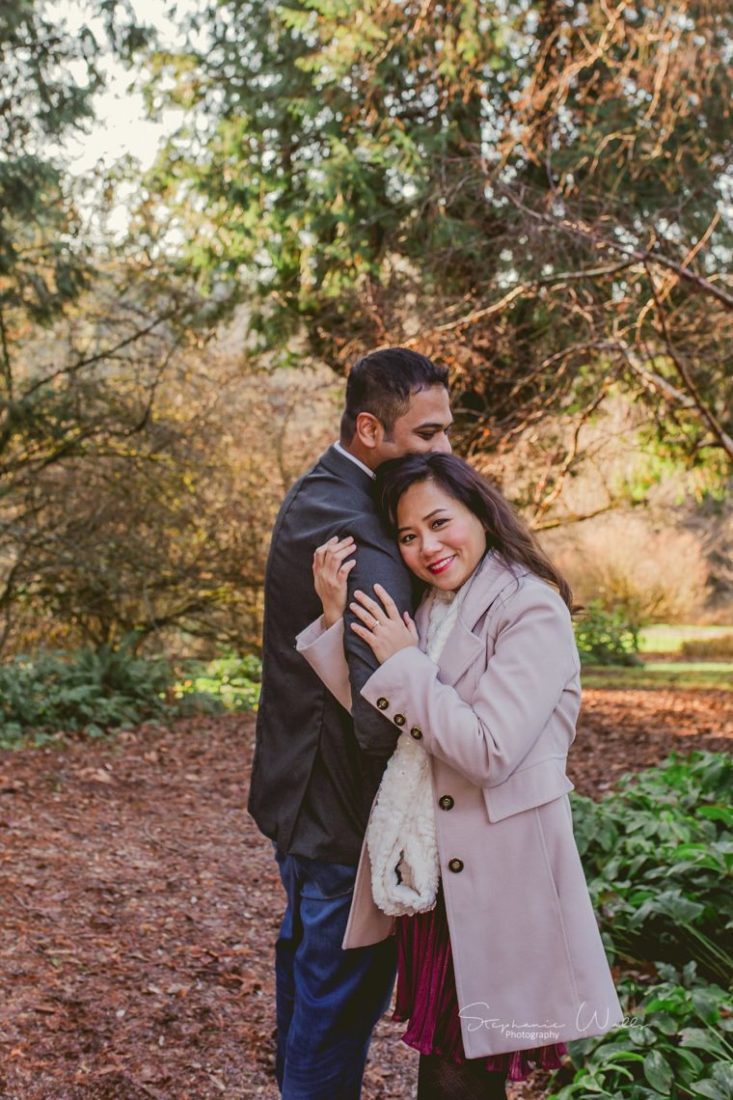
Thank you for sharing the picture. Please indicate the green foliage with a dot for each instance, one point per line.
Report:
(658, 856)
(94, 690)
(606, 637)
(676, 1042)
(533, 188)
(227, 683)
(42, 101)
(91, 690)
(79, 367)
(48, 75)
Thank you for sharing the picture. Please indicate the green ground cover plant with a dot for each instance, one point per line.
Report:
(676, 1041)
(226, 683)
(94, 691)
(90, 690)
(658, 855)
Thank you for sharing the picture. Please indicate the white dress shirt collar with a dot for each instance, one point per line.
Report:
(347, 454)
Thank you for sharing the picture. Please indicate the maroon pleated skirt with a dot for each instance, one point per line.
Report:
(427, 998)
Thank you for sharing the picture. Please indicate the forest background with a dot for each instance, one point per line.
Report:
(539, 195)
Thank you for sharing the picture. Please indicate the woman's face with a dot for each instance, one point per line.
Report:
(440, 539)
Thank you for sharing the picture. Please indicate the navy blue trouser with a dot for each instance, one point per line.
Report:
(328, 999)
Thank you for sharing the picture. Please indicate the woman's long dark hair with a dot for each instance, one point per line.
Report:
(506, 532)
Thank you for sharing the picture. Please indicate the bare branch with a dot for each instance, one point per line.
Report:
(643, 256)
(699, 404)
(517, 292)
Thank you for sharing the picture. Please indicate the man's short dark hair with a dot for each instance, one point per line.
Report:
(382, 383)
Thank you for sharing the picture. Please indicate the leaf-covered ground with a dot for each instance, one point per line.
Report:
(139, 905)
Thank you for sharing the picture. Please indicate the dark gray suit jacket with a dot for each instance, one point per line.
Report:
(316, 769)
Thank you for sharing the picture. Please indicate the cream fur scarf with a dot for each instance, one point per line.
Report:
(401, 832)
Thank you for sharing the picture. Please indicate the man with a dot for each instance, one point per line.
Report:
(317, 767)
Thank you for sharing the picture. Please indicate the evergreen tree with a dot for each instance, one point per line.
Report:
(537, 193)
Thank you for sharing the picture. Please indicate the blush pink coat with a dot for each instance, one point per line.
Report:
(497, 714)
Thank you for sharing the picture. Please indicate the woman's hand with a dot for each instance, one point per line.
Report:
(381, 626)
(330, 570)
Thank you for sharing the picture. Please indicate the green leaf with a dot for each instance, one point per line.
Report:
(658, 1072)
(723, 1074)
(691, 1061)
(711, 1089)
(700, 1039)
(641, 1035)
(706, 1004)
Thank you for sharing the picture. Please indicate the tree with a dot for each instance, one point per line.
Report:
(48, 78)
(139, 490)
(88, 332)
(537, 194)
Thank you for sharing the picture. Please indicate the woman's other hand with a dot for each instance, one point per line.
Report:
(330, 570)
(382, 626)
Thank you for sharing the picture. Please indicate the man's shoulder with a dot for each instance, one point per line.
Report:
(324, 491)
(321, 504)
(329, 478)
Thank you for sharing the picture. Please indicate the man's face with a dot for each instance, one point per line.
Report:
(424, 427)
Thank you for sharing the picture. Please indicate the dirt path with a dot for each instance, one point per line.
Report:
(139, 905)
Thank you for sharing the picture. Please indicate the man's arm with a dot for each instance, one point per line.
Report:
(376, 562)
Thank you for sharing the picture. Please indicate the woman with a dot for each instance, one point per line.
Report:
(508, 965)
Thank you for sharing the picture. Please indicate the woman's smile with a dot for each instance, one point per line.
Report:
(441, 565)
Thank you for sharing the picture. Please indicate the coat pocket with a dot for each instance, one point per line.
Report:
(531, 786)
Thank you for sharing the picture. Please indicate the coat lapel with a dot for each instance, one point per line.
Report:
(463, 647)
(421, 616)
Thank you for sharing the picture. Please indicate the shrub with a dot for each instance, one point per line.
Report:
(231, 682)
(606, 637)
(658, 855)
(94, 690)
(651, 574)
(90, 690)
(676, 1041)
(720, 648)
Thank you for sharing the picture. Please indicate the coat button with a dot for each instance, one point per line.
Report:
(446, 802)
(399, 719)
(416, 732)
(382, 703)
(456, 865)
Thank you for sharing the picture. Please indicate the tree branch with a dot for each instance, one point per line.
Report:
(707, 414)
(638, 255)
